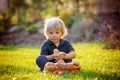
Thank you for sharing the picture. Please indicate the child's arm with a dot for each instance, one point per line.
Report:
(63, 55)
(70, 55)
(50, 57)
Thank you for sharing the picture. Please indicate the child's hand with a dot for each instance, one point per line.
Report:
(59, 56)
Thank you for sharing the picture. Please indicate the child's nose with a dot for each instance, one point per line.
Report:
(54, 34)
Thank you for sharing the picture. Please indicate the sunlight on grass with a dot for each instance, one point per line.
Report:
(18, 63)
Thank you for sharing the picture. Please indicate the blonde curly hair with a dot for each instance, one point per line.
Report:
(54, 23)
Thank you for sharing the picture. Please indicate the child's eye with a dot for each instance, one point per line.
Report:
(50, 32)
(57, 32)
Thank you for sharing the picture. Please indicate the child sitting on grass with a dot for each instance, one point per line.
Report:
(55, 31)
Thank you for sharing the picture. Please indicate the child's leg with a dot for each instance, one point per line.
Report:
(41, 61)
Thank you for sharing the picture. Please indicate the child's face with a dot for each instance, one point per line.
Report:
(54, 36)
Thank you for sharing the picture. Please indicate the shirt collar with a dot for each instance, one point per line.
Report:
(61, 42)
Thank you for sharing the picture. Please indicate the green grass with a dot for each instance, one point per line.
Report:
(18, 63)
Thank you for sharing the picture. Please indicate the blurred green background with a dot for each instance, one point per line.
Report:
(22, 21)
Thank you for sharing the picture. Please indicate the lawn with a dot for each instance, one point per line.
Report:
(18, 63)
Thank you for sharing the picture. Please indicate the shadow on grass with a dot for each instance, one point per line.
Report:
(10, 69)
(8, 47)
(90, 75)
(12, 48)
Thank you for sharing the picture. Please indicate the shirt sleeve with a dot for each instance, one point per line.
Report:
(44, 49)
(70, 47)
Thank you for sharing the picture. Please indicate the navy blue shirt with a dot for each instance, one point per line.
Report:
(64, 46)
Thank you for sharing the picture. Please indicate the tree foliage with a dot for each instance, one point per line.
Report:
(73, 12)
(109, 19)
